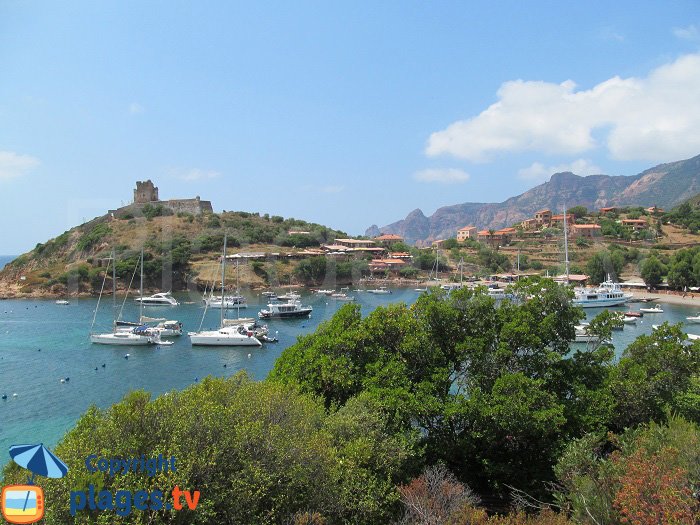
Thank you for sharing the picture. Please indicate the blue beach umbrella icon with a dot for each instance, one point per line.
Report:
(39, 460)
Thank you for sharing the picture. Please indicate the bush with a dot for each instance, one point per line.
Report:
(93, 237)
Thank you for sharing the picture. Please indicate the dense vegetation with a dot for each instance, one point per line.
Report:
(432, 413)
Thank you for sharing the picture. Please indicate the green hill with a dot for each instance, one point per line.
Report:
(180, 251)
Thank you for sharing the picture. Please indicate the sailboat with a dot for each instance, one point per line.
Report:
(165, 328)
(116, 337)
(235, 335)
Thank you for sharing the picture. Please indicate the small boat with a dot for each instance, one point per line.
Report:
(582, 335)
(654, 310)
(382, 290)
(158, 299)
(269, 294)
(420, 289)
(342, 297)
(325, 292)
(168, 328)
(634, 314)
(629, 320)
(285, 310)
(62, 302)
(229, 301)
(693, 319)
(289, 296)
(693, 337)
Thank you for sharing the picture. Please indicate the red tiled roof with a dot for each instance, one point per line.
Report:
(389, 237)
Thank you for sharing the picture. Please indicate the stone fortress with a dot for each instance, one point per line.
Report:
(146, 193)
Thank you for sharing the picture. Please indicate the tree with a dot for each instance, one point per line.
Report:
(652, 271)
(578, 211)
(604, 263)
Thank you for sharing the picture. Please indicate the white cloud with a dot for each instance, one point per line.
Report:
(539, 172)
(13, 165)
(653, 118)
(197, 174)
(442, 176)
(687, 33)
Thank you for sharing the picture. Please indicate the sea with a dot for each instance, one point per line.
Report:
(42, 343)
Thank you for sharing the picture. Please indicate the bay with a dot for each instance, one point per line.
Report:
(42, 342)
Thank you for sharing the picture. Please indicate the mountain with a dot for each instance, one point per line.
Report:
(665, 185)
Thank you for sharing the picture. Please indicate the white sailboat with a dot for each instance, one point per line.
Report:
(116, 337)
(226, 335)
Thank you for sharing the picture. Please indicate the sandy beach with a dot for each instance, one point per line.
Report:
(672, 297)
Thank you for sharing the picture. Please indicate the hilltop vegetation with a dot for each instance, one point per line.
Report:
(179, 249)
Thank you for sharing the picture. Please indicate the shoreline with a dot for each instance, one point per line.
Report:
(669, 297)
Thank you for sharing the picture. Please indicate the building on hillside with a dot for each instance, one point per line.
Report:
(390, 264)
(468, 232)
(146, 194)
(498, 238)
(654, 210)
(355, 243)
(438, 243)
(635, 224)
(400, 255)
(388, 239)
(543, 217)
(585, 230)
(529, 224)
(609, 209)
(557, 221)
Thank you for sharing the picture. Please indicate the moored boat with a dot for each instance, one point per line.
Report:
(285, 310)
(158, 299)
(656, 309)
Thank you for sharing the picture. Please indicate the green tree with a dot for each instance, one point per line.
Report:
(652, 271)
(578, 211)
(603, 263)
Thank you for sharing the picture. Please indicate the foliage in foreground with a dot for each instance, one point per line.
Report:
(257, 452)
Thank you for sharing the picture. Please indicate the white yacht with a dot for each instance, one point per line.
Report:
(382, 290)
(693, 319)
(342, 296)
(229, 301)
(608, 293)
(158, 299)
(289, 296)
(285, 310)
(654, 310)
(62, 302)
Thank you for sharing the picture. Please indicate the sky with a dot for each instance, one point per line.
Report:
(343, 113)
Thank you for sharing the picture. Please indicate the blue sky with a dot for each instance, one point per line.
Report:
(343, 113)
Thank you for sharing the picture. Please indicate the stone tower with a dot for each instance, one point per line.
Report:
(145, 192)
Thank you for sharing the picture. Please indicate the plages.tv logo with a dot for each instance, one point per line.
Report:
(25, 503)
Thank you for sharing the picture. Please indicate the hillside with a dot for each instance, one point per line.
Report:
(666, 185)
(181, 251)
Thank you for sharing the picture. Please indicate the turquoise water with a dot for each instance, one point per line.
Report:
(41, 343)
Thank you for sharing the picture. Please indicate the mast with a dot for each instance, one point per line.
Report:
(223, 278)
(566, 246)
(114, 290)
(141, 289)
(461, 271)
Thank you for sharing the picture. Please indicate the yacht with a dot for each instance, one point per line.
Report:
(229, 301)
(285, 310)
(608, 293)
(158, 299)
(693, 319)
(382, 290)
(62, 302)
(289, 296)
(342, 296)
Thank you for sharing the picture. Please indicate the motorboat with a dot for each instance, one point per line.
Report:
(634, 314)
(608, 293)
(583, 335)
(158, 299)
(382, 290)
(342, 297)
(656, 309)
(62, 302)
(289, 296)
(693, 319)
(420, 289)
(285, 310)
(629, 320)
(451, 286)
(325, 292)
(168, 328)
(229, 301)
(497, 293)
